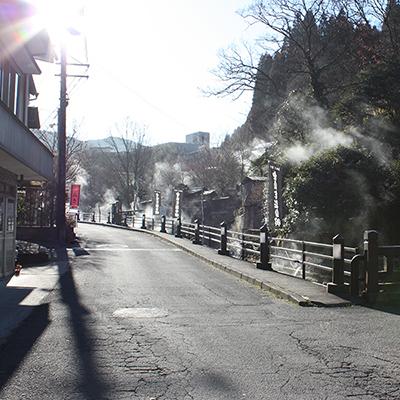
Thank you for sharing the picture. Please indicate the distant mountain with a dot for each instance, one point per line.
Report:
(171, 149)
(176, 147)
(106, 144)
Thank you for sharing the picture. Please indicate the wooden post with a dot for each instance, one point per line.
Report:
(152, 224)
(196, 232)
(224, 240)
(109, 218)
(371, 263)
(265, 262)
(163, 221)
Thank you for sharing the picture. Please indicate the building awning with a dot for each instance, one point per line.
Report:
(41, 48)
(25, 62)
(21, 152)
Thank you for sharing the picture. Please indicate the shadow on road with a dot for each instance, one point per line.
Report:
(14, 351)
(18, 346)
(91, 384)
(216, 382)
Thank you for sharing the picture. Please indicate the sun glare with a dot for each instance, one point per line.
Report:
(56, 16)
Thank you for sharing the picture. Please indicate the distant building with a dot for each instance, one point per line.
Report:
(199, 138)
(23, 158)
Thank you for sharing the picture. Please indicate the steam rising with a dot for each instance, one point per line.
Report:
(321, 136)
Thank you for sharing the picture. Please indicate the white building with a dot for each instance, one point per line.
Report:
(199, 138)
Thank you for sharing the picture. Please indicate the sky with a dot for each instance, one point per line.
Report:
(149, 61)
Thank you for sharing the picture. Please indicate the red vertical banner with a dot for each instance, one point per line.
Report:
(75, 195)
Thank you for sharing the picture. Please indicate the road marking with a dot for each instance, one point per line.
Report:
(140, 313)
(111, 245)
(124, 249)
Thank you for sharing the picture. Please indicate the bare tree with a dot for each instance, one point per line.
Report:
(74, 148)
(240, 70)
(293, 29)
(216, 168)
(129, 161)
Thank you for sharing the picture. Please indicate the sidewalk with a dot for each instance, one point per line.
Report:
(24, 294)
(295, 290)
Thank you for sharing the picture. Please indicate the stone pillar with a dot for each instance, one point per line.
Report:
(196, 232)
(224, 240)
(337, 284)
(265, 262)
(371, 263)
(163, 221)
(178, 233)
(143, 222)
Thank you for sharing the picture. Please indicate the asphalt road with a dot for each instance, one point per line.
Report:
(136, 318)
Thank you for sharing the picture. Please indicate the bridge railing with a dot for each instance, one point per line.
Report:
(303, 259)
(310, 260)
(211, 236)
(343, 269)
(245, 246)
(87, 216)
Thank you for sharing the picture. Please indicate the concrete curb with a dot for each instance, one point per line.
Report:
(265, 285)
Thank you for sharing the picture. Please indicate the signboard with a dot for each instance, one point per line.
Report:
(177, 203)
(276, 197)
(273, 197)
(157, 203)
(75, 196)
